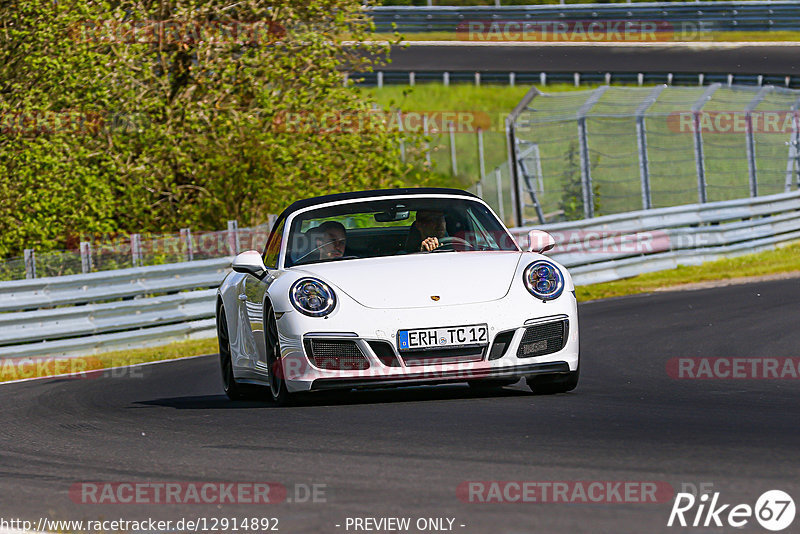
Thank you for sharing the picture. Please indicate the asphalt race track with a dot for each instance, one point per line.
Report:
(404, 452)
(700, 58)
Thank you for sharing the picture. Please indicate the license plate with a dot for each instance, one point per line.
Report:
(448, 337)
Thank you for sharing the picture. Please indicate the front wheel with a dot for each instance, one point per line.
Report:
(277, 384)
(556, 383)
(233, 389)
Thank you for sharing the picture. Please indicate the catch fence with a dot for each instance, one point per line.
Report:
(582, 154)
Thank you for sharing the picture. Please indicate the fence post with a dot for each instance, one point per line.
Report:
(511, 148)
(453, 161)
(30, 263)
(641, 141)
(233, 238)
(86, 257)
(425, 131)
(481, 163)
(402, 140)
(583, 144)
(188, 247)
(136, 250)
(750, 144)
(794, 149)
(699, 159)
(498, 177)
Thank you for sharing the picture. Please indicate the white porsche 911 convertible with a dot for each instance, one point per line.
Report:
(395, 288)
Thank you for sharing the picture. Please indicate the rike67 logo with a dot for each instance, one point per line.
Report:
(774, 510)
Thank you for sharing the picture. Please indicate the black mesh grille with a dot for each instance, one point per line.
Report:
(442, 356)
(336, 355)
(385, 353)
(543, 339)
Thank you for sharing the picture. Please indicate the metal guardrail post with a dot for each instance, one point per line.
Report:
(697, 108)
(749, 138)
(641, 141)
(136, 250)
(453, 161)
(86, 257)
(233, 238)
(30, 263)
(583, 140)
(188, 246)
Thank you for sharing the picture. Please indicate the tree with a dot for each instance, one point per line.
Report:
(152, 115)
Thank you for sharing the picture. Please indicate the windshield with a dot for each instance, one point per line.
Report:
(394, 227)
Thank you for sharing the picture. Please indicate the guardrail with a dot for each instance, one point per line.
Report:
(84, 314)
(618, 246)
(109, 310)
(716, 16)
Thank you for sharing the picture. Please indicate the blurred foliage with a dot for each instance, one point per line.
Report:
(106, 131)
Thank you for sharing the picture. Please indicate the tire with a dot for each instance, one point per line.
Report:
(489, 384)
(557, 383)
(277, 385)
(233, 389)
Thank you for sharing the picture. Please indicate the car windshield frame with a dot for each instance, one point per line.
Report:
(504, 241)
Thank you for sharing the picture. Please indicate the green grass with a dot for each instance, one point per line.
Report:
(785, 259)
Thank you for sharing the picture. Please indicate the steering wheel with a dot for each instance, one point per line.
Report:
(450, 242)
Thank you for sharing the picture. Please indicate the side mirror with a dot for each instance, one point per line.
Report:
(249, 262)
(540, 241)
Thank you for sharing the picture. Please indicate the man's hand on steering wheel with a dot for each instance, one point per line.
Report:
(432, 243)
(429, 244)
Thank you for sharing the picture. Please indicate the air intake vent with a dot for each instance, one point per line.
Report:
(335, 354)
(500, 345)
(385, 353)
(543, 339)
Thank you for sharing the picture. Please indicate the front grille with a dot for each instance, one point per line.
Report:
(385, 353)
(543, 339)
(336, 355)
(443, 356)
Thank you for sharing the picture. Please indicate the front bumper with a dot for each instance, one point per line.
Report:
(514, 313)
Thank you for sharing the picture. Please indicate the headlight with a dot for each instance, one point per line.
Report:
(544, 280)
(312, 297)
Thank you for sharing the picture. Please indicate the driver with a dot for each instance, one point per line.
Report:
(331, 239)
(431, 227)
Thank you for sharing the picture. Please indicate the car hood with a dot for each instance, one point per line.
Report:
(413, 280)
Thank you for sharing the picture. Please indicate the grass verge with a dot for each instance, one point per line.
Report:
(785, 259)
(82, 366)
